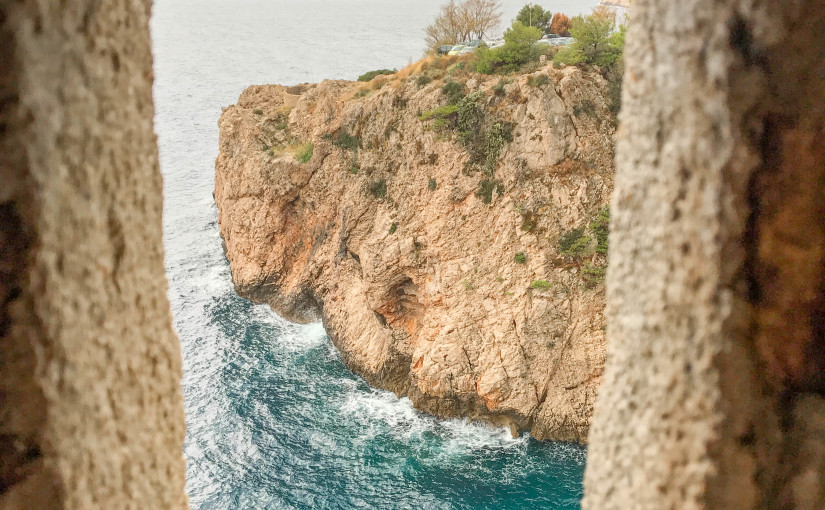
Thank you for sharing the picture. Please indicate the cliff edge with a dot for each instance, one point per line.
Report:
(445, 230)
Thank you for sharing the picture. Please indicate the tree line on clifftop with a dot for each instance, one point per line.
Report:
(598, 39)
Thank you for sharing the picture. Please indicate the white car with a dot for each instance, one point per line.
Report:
(495, 43)
(456, 49)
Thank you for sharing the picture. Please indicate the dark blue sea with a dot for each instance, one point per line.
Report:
(275, 420)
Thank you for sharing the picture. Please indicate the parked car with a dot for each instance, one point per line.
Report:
(551, 36)
(455, 49)
(474, 43)
(467, 49)
(556, 41)
(443, 50)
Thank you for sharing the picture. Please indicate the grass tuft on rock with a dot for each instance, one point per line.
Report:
(346, 141)
(304, 152)
(378, 188)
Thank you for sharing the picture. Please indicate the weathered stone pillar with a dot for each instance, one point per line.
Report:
(713, 394)
(91, 414)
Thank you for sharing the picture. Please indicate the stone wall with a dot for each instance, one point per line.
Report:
(92, 414)
(713, 393)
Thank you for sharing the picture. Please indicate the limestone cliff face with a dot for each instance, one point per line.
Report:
(438, 276)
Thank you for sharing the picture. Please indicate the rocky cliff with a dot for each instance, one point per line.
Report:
(448, 237)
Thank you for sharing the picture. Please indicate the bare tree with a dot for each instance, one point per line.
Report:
(482, 16)
(446, 27)
(461, 22)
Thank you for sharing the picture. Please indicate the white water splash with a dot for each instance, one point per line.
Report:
(381, 412)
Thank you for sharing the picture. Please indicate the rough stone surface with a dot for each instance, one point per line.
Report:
(713, 392)
(419, 289)
(91, 414)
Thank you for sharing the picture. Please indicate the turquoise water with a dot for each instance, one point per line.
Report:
(274, 418)
(306, 433)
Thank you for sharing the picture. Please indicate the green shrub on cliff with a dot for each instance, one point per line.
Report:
(574, 243)
(442, 117)
(482, 137)
(378, 188)
(596, 40)
(518, 49)
(454, 91)
(541, 285)
(520, 258)
(586, 107)
(498, 134)
(372, 74)
(529, 220)
(304, 152)
(469, 126)
(601, 229)
(486, 188)
(456, 67)
(498, 88)
(538, 80)
(593, 274)
(344, 140)
(423, 80)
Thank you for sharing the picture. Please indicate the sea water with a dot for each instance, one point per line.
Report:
(274, 418)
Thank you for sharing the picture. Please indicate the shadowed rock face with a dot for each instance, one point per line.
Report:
(387, 238)
(714, 394)
(91, 413)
